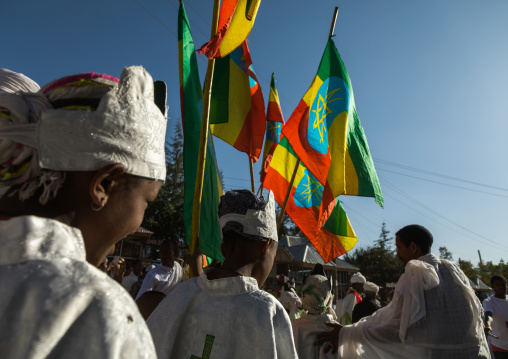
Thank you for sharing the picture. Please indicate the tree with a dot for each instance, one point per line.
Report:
(287, 227)
(164, 216)
(468, 268)
(378, 263)
(444, 253)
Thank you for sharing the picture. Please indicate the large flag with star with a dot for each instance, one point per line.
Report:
(237, 108)
(191, 100)
(274, 123)
(326, 134)
(236, 20)
(336, 236)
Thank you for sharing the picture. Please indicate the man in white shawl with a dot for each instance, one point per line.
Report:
(434, 313)
(223, 313)
(83, 157)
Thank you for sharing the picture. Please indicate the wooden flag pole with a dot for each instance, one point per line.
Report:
(259, 189)
(207, 93)
(253, 184)
(334, 20)
(283, 209)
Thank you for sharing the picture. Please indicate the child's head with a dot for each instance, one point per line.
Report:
(249, 231)
(316, 294)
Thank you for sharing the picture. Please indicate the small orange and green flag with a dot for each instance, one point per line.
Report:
(274, 123)
(326, 134)
(336, 236)
(236, 20)
(237, 108)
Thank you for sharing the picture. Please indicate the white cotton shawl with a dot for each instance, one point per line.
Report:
(56, 305)
(434, 314)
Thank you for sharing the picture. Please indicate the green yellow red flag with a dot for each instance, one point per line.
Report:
(336, 236)
(274, 123)
(326, 134)
(236, 20)
(237, 108)
(191, 101)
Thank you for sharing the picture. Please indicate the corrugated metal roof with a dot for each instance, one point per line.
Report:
(303, 251)
(478, 285)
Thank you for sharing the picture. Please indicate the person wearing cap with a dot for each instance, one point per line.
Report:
(83, 158)
(290, 301)
(346, 306)
(434, 313)
(223, 313)
(369, 304)
(317, 297)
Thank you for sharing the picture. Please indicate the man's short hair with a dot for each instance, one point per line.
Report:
(417, 234)
(497, 277)
(168, 242)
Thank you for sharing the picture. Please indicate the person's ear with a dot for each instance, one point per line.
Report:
(413, 247)
(103, 182)
(266, 246)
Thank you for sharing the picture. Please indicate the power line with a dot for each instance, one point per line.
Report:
(439, 215)
(442, 183)
(202, 18)
(409, 168)
(192, 22)
(155, 18)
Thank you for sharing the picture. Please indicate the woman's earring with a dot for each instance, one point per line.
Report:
(95, 208)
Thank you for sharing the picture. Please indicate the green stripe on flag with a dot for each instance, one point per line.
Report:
(192, 103)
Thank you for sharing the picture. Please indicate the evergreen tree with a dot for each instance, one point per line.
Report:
(444, 253)
(164, 216)
(378, 263)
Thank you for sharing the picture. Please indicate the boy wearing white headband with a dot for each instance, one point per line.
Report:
(223, 313)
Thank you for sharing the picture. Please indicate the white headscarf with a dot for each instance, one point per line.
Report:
(316, 294)
(126, 127)
(358, 278)
(13, 82)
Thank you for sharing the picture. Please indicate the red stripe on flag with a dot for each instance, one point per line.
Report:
(295, 131)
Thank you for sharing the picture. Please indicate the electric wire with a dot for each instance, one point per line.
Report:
(442, 183)
(468, 231)
(156, 19)
(409, 168)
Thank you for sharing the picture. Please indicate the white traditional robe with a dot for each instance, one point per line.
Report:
(305, 331)
(434, 314)
(161, 279)
(53, 304)
(221, 318)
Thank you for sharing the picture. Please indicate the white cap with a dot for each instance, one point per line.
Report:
(370, 287)
(358, 278)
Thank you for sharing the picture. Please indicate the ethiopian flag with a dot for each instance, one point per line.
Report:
(333, 239)
(274, 123)
(326, 134)
(236, 20)
(191, 98)
(237, 108)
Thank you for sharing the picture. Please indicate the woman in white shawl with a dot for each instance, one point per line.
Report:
(317, 297)
(83, 158)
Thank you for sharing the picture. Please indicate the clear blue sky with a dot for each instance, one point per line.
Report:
(430, 80)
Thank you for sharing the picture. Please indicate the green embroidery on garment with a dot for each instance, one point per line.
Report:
(207, 350)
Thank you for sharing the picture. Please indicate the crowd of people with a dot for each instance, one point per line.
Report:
(81, 158)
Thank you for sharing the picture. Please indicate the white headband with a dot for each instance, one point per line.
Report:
(260, 223)
(127, 127)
